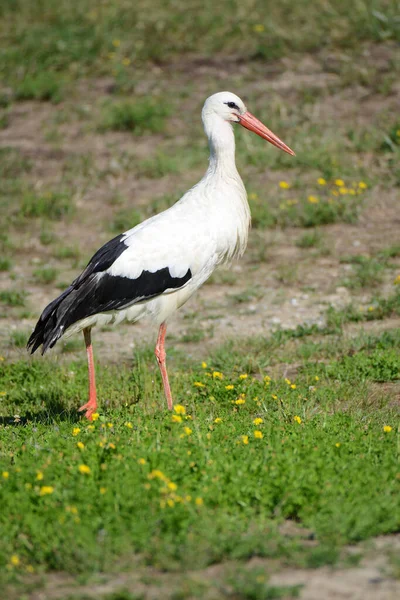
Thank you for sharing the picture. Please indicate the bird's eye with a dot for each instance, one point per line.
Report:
(232, 105)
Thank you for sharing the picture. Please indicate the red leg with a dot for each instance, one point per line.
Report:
(161, 356)
(90, 407)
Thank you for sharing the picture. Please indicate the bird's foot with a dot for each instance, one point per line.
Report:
(90, 408)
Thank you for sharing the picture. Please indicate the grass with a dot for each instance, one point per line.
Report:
(45, 275)
(12, 297)
(43, 86)
(199, 485)
(47, 205)
(83, 39)
(144, 115)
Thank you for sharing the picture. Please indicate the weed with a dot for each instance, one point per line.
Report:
(126, 219)
(12, 297)
(141, 116)
(5, 263)
(18, 338)
(42, 86)
(309, 240)
(367, 272)
(48, 205)
(45, 275)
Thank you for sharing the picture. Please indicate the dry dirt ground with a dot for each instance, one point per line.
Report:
(290, 286)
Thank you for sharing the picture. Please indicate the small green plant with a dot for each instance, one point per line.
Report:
(5, 263)
(45, 275)
(367, 272)
(309, 240)
(44, 86)
(18, 338)
(48, 205)
(140, 116)
(13, 297)
(158, 166)
(126, 219)
(67, 252)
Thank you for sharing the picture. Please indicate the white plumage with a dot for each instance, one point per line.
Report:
(154, 268)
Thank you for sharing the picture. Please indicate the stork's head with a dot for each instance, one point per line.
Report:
(232, 109)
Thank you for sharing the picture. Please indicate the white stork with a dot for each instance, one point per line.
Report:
(154, 268)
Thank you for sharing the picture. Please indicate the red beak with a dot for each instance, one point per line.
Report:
(250, 122)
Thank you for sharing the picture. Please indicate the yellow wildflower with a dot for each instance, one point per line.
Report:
(179, 409)
(218, 420)
(387, 428)
(258, 421)
(217, 375)
(39, 476)
(204, 365)
(343, 191)
(142, 461)
(316, 378)
(245, 439)
(362, 185)
(288, 381)
(339, 182)
(116, 43)
(176, 419)
(253, 196)
(240, 401)
(293, 386)
(313, 199)
(338, 444)
(111, 445)
(30, 569)
(102, 490)
(3, 393)
(84, 469)
(110, 425)
(90, 427)
(397, 280)
(243, 376)
(80, 445)
(187, 430)
(259, 28)
(157, 474)
(95, 416)
(284, 185)
(199, 384)
(172, 486)
(231, 387)
(321, 181)
(267, 379)
(14, 560)
(75, 431)
(297, 419)
(129, 425)
(126, 62)
(258, 434)
(45, 490)
(5, 474)
(199, 501)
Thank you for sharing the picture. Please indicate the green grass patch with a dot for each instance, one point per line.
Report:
(209, 482)
(45, 86)
(45, 275)
(47, 205)
(13, 297)
(144, 115)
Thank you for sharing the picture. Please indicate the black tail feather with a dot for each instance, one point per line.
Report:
(49, 328)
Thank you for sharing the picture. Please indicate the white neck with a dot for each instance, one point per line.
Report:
(222, 144)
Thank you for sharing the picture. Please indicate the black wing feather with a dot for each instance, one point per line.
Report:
(96, 291)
